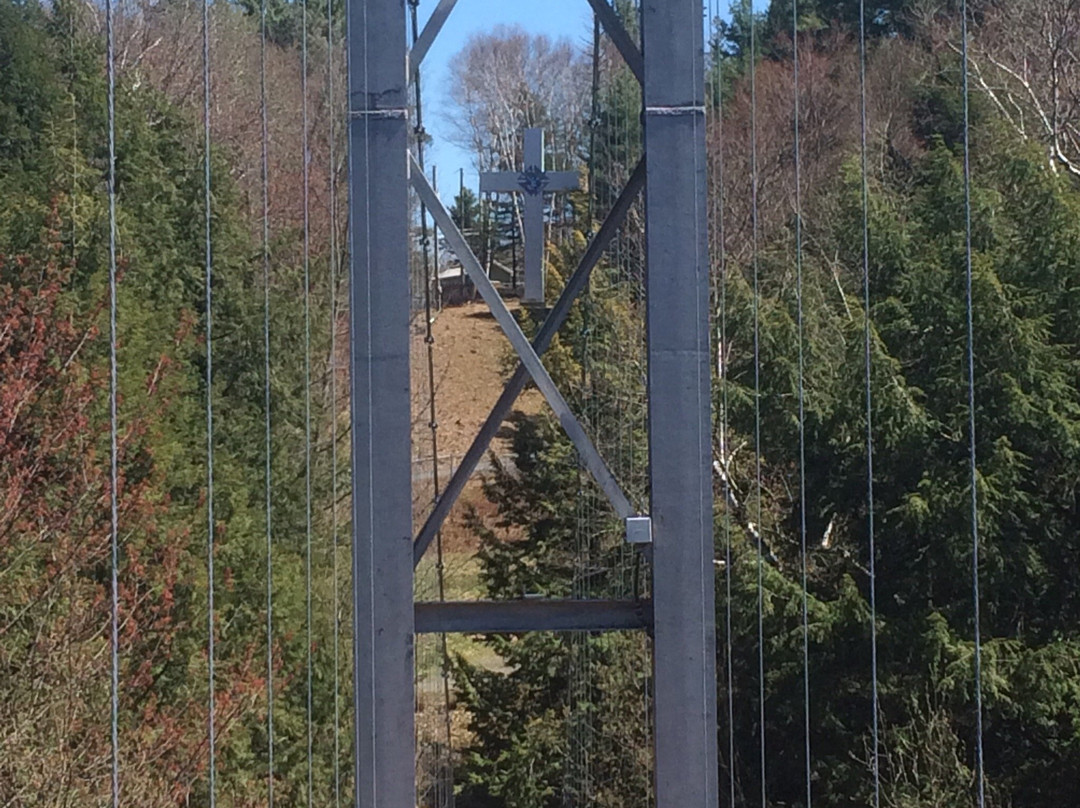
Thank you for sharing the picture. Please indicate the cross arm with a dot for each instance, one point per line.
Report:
(509, 182)
(499, 182)
(563, 181)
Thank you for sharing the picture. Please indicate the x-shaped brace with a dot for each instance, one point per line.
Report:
(531, 366)
(590, 457)
(559, 312)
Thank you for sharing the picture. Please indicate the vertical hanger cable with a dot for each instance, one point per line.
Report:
(334, 538)
(802, 396)
(980, 771)
(268, 444)
(114, 475)
(209, 300)
(864, 129)
(305, 148)
(758, 489)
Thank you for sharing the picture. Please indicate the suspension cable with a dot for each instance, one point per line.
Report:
(75, 132)
(305, 148)
(268, 448)
(719, 234)
(575, 769)
(802, 396)
(211, 706)
(969, 273)
(353, 342)
(863, 132)
(114, 475)
(754, 187)
(433, 421)
(331, 102)
(725, 430)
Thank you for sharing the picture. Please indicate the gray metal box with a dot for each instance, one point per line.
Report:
(639, 530)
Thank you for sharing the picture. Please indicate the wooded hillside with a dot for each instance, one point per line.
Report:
(548, 721)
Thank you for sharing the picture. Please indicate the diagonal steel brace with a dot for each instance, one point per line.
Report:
(427, 37)
(630, 52)
(578, 281)
(590, 457)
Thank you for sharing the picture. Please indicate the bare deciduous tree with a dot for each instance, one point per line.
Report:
(504, 82)
(1026, 58)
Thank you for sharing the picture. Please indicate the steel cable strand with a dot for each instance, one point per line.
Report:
(863, 153)
(802, 398)
(333, 211)
(114, 476)
(724, 433)
(633, 427)
(207, 175)
(306, 178)
(755, 224)
(980, 765)
(720, 291)
(575, 786)
(268, 445)
(444, 770)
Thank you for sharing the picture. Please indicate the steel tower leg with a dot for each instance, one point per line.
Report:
(683, 617)
(379, 336)
(680, 443)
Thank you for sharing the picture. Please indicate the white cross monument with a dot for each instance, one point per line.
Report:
(534, 182)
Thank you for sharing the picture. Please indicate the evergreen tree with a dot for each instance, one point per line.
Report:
(52, 173)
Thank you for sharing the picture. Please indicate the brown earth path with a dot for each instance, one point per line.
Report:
(471, 357)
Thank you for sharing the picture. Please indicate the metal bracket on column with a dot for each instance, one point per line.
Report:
(589, 455)
(392, 114)
(639, 530)
(675, 111)
(559, 312)
(630, 52)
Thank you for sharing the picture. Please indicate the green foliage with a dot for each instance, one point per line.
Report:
(284, 19)
(1026, 243)
(564, 718)
(52, 163)
(560, 720)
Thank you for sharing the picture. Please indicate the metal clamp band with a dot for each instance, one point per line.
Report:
(380, 114)
(667, 111)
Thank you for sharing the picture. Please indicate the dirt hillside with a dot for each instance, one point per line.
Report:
(470, 356)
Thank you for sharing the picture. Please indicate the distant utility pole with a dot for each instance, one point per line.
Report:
(677, 532)
(463, 212)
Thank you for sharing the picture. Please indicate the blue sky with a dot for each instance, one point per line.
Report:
(570, 19)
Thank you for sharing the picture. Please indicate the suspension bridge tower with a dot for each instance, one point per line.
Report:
(676, 533)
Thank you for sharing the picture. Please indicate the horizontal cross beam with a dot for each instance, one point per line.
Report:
(554, 321)
(519, 616)
(590, 457)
